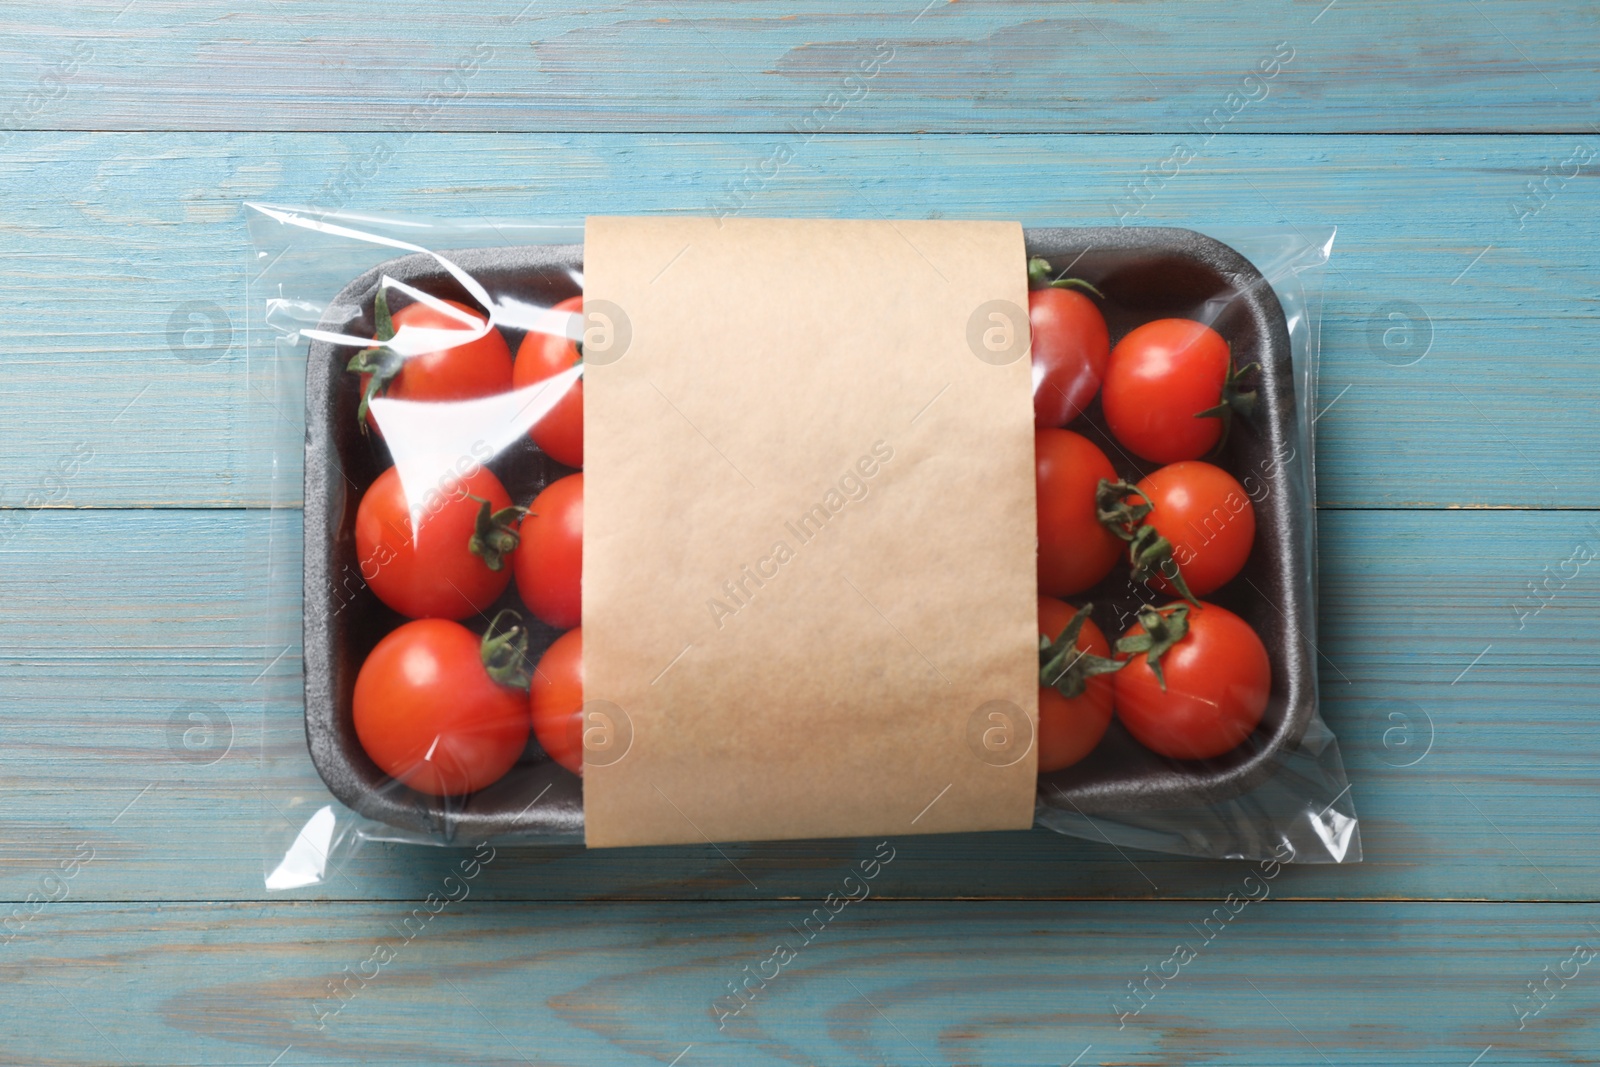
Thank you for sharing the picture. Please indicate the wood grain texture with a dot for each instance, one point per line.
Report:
(1473, 774)
(120, 249)
(725, 65)
(1455, 646)
(1273, 984)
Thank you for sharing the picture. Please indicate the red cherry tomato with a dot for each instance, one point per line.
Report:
(541, 355)
(434, 574)
(476, 368)
(1161, 376)
(1218, 680)
(430, 716)
(1070, 349)
(550, 556)
(1207, 516)
(1075, 551)
(1070, 727)
(556, 701)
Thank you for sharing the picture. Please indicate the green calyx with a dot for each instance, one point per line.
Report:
(1039, 271)
(1161, 632)
(495, 533)
(380, 361)
(1066, 668)
(1236, 400)
(1111, 507)
(504, 651)
(1149, 554)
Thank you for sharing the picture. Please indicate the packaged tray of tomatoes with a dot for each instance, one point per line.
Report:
(1178, 683)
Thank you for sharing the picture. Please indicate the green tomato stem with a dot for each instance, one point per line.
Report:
(1149, 554)
(1039, 271)
(379, 361)
(494, 536)
(1066, 668)
(1161, 632)
(504, 651)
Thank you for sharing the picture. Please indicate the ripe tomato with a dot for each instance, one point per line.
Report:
(559, 434)
(556, 701)
(429, 714)
(480, 367)
(458, 561)
(1071, 726)
(1075, 551)
(549, 559)
(1169, 391)
(1212, 687)
(1070, 349)
(1204, 512)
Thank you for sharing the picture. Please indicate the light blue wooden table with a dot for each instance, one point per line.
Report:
(1454, 146)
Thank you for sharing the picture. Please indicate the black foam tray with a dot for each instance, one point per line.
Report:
(1145, 273)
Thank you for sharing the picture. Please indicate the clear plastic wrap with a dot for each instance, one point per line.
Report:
(415, 429)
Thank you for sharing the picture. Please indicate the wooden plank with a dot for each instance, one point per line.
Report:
(1467, 729)
(122, 249)
(1263, 982)
(1464, 698)
(731, 66)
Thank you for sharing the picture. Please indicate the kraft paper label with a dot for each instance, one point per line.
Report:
(809, 594)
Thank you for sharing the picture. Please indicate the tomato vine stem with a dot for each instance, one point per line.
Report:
(1236, 400)
(504, 651)
(1039, 271)
(1161, 632)
(379, 361)
(1148, 552)
(494, 535)
(1066, 668)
